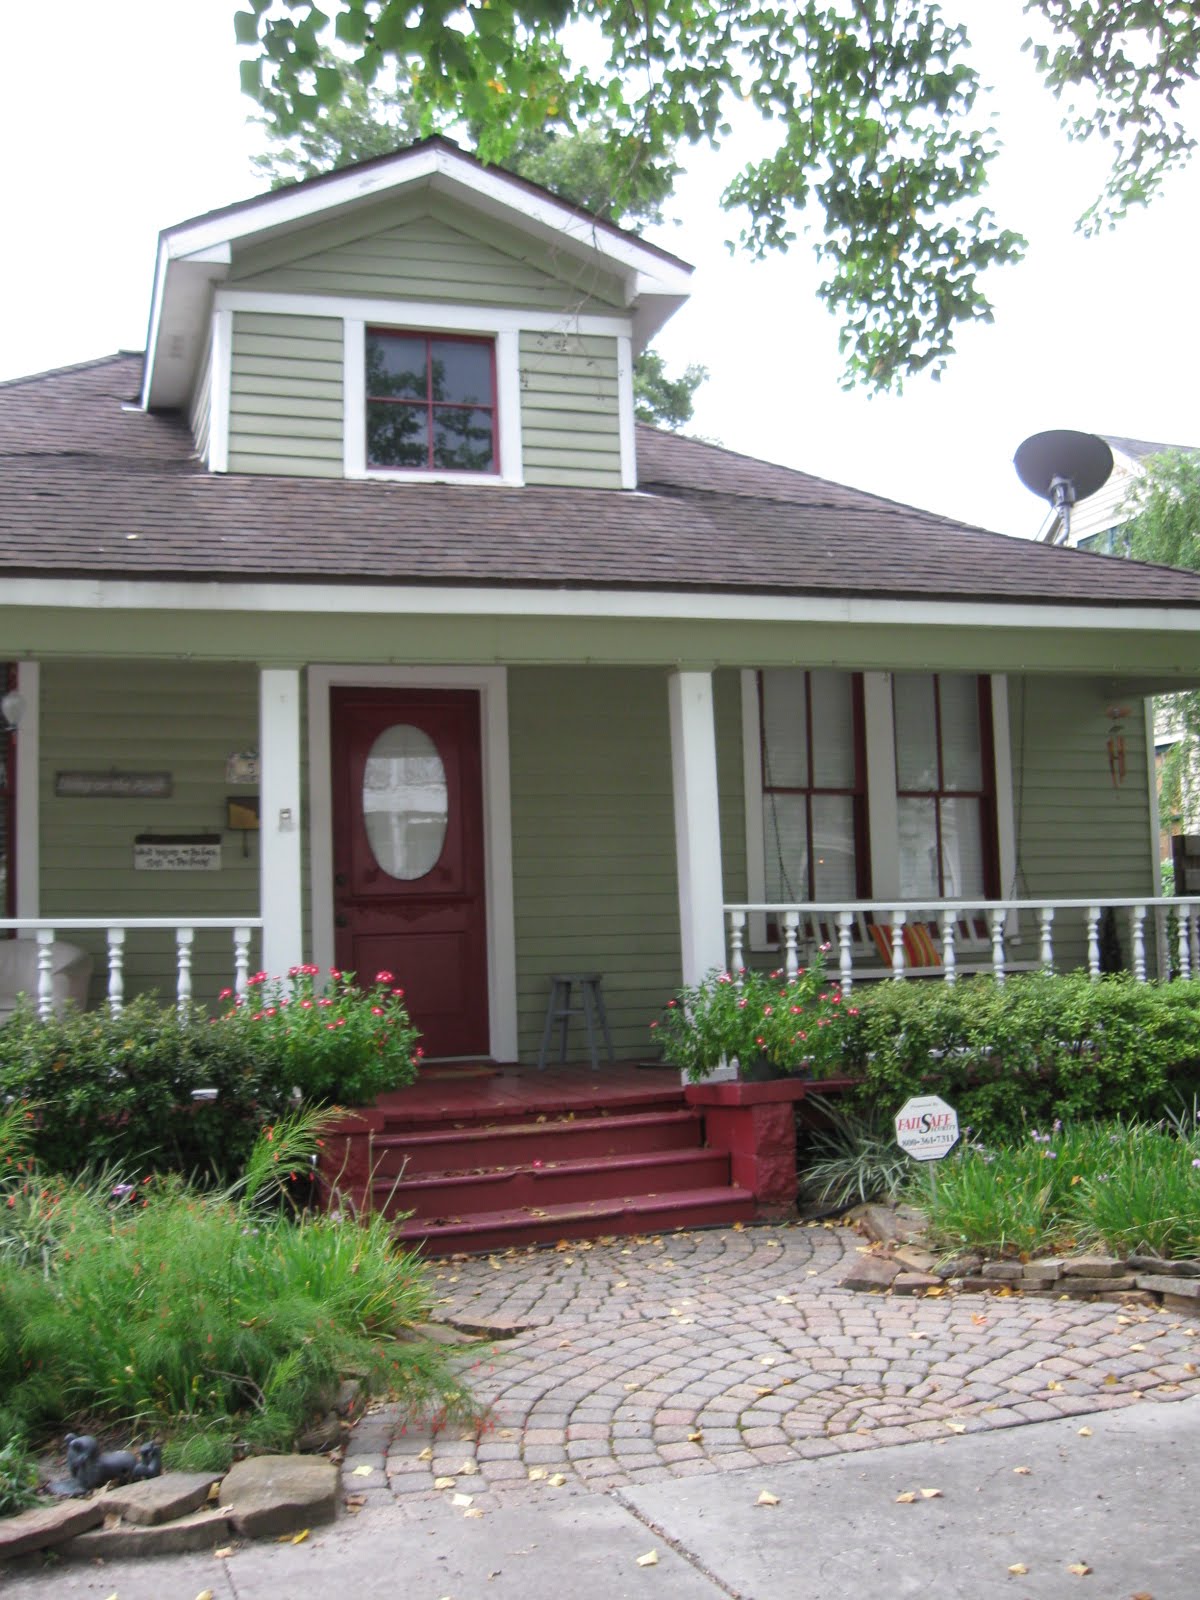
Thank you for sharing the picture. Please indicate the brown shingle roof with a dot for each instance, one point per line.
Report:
(88, 488)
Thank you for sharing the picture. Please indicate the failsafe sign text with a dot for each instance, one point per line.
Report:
(926, 1127)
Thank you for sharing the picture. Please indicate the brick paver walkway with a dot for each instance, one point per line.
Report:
(645, 1359)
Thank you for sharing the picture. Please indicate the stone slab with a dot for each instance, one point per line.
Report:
(1093, 1267)
(871, 1272)
(1077, 1284)
(1173, 1269)
(161, 1499)
(1186, 1289)
(41, 1527)
(270, 1495)
(1049, 1268)
(1003, 1271)
(199, 1530)
(915, 1282)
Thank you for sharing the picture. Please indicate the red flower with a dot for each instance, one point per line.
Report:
(376, 1011)
(385, 977)
(225, 994)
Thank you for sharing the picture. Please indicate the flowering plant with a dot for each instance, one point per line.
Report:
(793, 1023)
(340, 1041)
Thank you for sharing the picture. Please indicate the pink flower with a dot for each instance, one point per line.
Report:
(376, 1011)
(853, 1010)
(325, 1001)
(670, 1005)
(258, 977)
(334, 972)
(293, 972)
(767, 1010)
(654, 1024)
(743, 1003)
(398, 994)
(225, 994)
(269, 1012)
(796, 1010)
(306, 1005)
(385, 977)
(802, 1036)
(418, 1053)
(760, 1042)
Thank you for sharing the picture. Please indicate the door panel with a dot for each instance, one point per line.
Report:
(408, 892)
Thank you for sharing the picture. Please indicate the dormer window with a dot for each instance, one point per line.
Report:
(430, 403)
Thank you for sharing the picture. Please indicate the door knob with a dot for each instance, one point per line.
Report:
(341, 921)
(339, 879)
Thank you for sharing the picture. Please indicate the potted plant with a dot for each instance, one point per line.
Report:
(770, 1024)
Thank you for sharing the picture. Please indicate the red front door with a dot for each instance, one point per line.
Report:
(408, 895)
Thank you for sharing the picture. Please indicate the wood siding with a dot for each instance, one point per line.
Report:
(570, 430)
(1078, 834)
(180, 718)
(200, 406)
(285, 409)
(426, 249)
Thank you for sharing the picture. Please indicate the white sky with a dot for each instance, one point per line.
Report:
(129, 118)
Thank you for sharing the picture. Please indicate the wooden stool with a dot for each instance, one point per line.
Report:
(589, 1006)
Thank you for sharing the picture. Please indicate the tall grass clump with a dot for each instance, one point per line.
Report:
(1124, 1187)
(212, 1319)
(850, 1156)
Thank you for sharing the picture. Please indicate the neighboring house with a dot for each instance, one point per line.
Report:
(531, 688)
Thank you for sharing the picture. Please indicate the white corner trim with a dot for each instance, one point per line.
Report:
(354, 407)
(883, 812)
(1006, 833)
(1152, 794)
(27, 820)
(221, 382)
(756, 840)
(625, 412)
(492, 686)
(431, 315)
(280, 859)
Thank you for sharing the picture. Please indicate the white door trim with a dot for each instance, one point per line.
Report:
(27, 820)
(491, 683)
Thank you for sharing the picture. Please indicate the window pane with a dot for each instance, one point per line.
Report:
(405, 804)
(916, 731)
(918, 849)
(397, 435)
(396, 365)
(834, 874)
(785, 831)
(785, 757)
(462, 372)
(962, 763)
(962, 849)
(462, 439)
(833, 730)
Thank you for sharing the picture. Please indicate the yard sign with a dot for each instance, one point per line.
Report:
(926, 1127)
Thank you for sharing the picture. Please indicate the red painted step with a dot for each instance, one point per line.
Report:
(498, 1230)
(508, 1188)
(449, 1149)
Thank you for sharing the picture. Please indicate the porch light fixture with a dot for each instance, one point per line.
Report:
(12, 709)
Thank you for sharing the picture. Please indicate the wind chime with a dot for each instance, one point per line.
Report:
(1116, 743)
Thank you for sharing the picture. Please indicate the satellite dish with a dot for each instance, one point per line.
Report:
(1063, 466)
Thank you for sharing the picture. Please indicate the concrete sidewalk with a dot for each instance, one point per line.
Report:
(1117, 1499)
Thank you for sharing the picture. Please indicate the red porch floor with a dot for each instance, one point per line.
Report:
(445, 1092)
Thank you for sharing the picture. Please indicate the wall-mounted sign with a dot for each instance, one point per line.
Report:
(241, 813)
(242, 767)
(183, 852)
(114, 785)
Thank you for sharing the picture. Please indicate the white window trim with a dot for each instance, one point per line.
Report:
(882, 812)
(220, 399)
(492, 686)
(508, 404)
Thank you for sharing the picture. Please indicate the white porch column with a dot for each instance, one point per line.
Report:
(28, 819)
(697, 823)
(279, 839)
(883, 825)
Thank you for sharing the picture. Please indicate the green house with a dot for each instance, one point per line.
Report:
(357, 621)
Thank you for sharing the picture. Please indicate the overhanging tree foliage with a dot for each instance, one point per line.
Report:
(874, 102)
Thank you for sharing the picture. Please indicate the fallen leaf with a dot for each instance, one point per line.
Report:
(695, 1438)
(766, 1361)
(1110, 1378)
(1189, 1366)
(957, 1427)
(426, 1454)
(1079, 1568)
(918, 1333)
(631, 1386)
(935, 1293)
(785, 1299)
(494, 1264)
(1022, 1472)
(467, 1469)
(354, 1502)
(557, 1480)
(1141, 1595)
(536, 1474)
(763, 1389)
(1137, 1346)
(462, 1499)
(223, 1552)
(766, 1498)
(906, 1498)
(1018, 1569)
(650, 1559)
(444, 1483)
(931, 1494)
(207, 1594)
(299, 1538)
(1053, 1385)
(473, 1511)
(978, 1320)
(362, 1472)
(1085, 1433)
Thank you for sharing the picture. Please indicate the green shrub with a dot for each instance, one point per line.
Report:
(849, 1156)
(18, 1477)
(339, 1042)
(118, 1091)
(208, 1318)
(1037, 1048)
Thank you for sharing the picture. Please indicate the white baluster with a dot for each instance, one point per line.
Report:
(241, 960)
(949, 955)
(1137, 920)
(897, 945)
(184, 938)
(1093, 943)
(845, 922)
(997, 919)
(1045, 938)
(1194, 938)
(116, 970)
(1162, 953)
(1185, 942)
(45, 973)
(791, 943)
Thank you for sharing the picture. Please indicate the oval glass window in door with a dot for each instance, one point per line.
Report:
(405, 803)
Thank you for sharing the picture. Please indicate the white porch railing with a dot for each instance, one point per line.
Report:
(47, 930)
(870, 939)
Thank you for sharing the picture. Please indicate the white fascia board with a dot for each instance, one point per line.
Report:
(152, 332)
(428, 315)
(123, 594)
